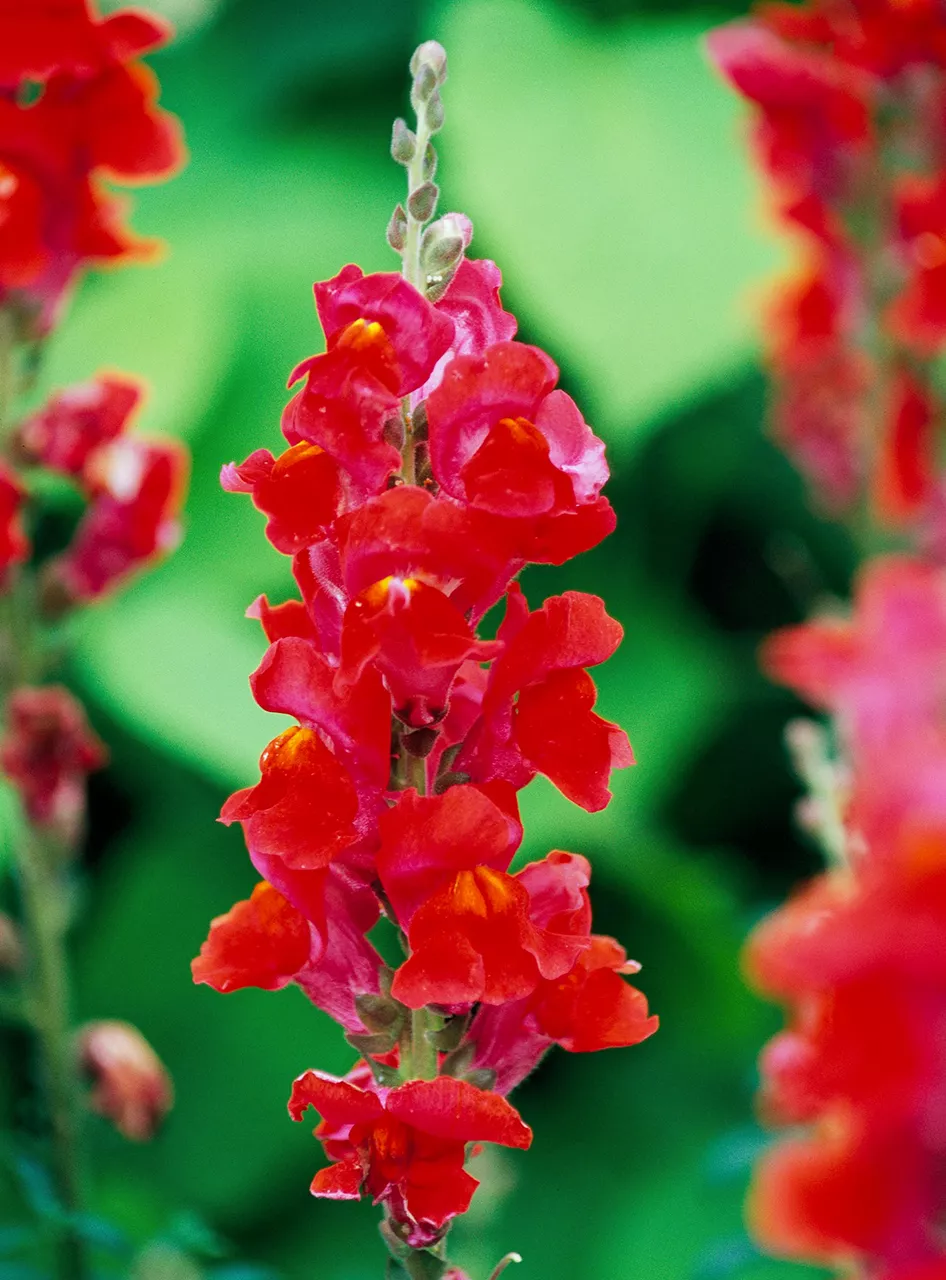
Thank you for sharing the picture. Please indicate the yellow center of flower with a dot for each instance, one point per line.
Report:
(481, 892)
(298, 453)
(362, 335)
(377, 595)
(520, 430)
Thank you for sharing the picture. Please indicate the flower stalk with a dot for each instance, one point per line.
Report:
(430, 458)
(45, 901)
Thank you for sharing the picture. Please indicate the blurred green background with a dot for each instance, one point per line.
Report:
(603, 167)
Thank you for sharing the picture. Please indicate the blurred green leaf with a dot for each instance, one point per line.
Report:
(602, 168)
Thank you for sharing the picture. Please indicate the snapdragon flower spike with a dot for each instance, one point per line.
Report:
(405, 1147)
(857, 959)
(847, 109)
(95, 117)
(882, 675)
(431, 458)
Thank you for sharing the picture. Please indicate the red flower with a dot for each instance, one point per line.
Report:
(882, 676)
(882, 671)
(302, 811)
(906, 469)
(418, 334)
(14, 544)
(300, 491)
(95, 117)
(130, 1084)
(137, 488)
(504, 441)
(407, 532)
(472, 938)
(417, 638)
(846, 1193)
(279, 621)
(918, 316)
(65, 433)
(537, 709)
(814, 122)
(405, 1148)
(296, 679)
(383, 341)
(588, 1008)
(47, 752)
(268, 942)
(858, 958)
(262, 942)
(472, 303)
(49, 37)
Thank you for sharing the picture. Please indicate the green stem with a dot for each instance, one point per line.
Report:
(45, 917)
(412, 269)
(423, 1053)
(45, 920)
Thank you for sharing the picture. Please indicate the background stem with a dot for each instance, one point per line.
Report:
(45, 918)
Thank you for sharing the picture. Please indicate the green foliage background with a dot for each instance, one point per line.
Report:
(603, 168)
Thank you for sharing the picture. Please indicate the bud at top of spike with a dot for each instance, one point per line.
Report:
(433, 55)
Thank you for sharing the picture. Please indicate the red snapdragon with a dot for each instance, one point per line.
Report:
(430, 458)
(847, 107)
(95, 117)
(405, 1147)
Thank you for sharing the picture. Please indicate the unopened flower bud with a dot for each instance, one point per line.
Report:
(435, 113)
(433, 55)
(130, 1086)
(459, 1062)
(430, 162)
(419, 426)
(425, 83)
(422, 202)
(438, 284)
(376, 1042)
(421, 742)
(393, 431)
(403, 142)
(397, 229)
(448, 780)
(379, 1012)
(481, 1078)
(440, 251)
